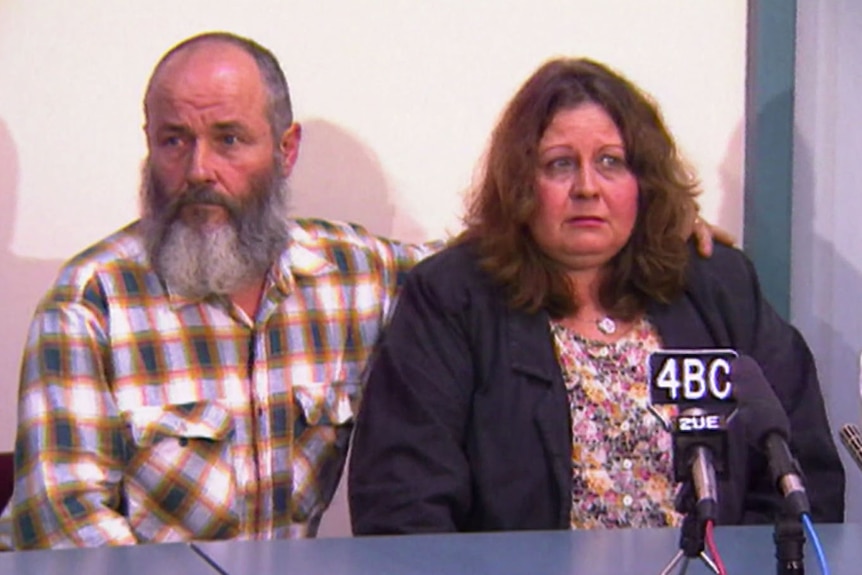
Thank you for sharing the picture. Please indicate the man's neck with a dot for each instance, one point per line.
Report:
(248, 297)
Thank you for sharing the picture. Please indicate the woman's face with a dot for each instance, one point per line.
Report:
(587, 196)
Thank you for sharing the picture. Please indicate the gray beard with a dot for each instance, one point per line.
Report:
(199, 261)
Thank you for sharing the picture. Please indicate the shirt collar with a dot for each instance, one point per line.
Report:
(305, 256)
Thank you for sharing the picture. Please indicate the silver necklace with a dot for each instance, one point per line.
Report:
(606, 325)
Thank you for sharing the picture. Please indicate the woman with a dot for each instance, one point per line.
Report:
(509, 389)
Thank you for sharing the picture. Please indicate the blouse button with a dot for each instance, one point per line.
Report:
(627, 464)
(627, 500)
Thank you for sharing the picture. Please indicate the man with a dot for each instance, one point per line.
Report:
(195, 375)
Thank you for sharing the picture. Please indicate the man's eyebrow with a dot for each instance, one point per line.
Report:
(231, 125)
(174, 128)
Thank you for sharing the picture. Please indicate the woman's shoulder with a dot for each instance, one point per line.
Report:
(727, 266)
(457, 262)
(452, 274)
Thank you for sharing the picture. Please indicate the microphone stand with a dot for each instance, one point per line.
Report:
(789, 540)
(692, 544)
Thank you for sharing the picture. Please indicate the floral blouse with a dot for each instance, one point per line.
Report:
(622, 469)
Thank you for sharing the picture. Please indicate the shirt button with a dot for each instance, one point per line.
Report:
(627, 500)
(627, 464)
(625, 426)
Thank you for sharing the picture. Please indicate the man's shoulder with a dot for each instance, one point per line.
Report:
(322, 232)
(121, 249)
(317, 245)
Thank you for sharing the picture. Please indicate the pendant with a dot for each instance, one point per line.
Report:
(606, 325)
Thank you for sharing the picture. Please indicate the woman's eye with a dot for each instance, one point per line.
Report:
(560, 166)
(610, 161)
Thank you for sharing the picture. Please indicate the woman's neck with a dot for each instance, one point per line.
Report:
(586, 287)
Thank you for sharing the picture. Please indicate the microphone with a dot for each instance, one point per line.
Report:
(852, 440)
(768, 428)
(698, 383)
(699, 444)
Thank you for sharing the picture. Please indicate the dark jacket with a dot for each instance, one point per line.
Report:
(465, 421)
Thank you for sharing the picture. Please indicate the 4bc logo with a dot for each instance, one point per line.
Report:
(691, 376)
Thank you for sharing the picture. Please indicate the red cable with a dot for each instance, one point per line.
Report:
(713, 550)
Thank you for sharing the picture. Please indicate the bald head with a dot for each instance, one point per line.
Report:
(210, 48)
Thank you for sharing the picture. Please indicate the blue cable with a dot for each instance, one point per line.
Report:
(818, 549)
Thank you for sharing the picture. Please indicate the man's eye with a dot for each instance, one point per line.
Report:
(171, 141)
(229, 139)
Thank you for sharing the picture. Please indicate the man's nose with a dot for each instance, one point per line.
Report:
(200, 168)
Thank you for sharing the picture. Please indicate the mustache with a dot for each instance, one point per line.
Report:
(202, 194)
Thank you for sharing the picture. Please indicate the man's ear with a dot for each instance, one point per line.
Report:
(289, 147)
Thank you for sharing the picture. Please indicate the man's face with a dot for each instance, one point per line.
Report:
(214, 193)
(207, 127)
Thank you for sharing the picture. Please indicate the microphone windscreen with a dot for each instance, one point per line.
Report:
(759, 408)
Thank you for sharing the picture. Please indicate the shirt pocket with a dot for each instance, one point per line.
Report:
(179, 480)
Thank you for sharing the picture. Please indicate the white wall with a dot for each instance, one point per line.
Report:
(396, 97)
(826, 259)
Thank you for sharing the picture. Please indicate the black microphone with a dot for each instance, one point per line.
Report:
(697, 382)
(768, 428)
(852, 440)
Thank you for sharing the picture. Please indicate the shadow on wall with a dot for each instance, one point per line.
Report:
(338, 177)
(731, 183)
(826, 294)
(23, 281)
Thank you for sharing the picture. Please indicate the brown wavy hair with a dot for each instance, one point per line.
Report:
(651, 266)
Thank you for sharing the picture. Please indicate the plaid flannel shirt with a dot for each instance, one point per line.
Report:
(147, 417)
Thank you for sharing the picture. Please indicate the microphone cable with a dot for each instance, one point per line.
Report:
(815, 542)
(709, 539)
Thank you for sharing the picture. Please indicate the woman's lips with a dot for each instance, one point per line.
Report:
(585, 221)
